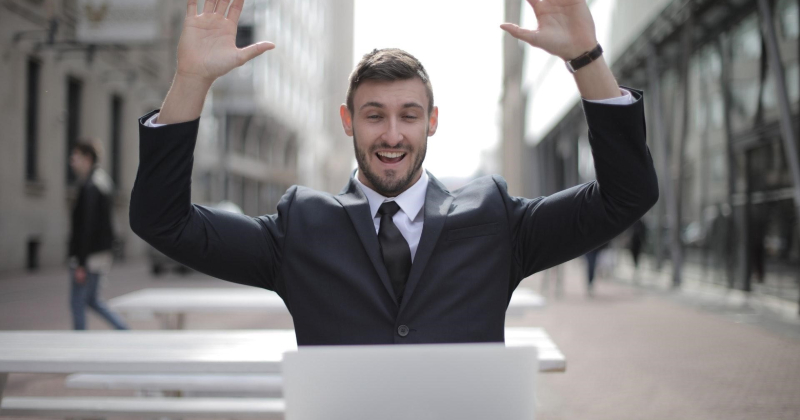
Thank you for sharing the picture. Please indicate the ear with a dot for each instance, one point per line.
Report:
(347, 120)
(433, 121)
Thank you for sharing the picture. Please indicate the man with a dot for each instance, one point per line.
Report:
(92, 237)
(395, 257)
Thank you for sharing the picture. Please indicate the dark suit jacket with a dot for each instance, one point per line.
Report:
(320, 251)
(91, 229)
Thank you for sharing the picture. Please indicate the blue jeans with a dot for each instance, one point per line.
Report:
(85, 294)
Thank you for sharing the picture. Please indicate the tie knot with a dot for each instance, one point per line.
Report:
(388, 208)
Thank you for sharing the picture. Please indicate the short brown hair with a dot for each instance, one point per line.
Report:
(388, 64)
(89, 148)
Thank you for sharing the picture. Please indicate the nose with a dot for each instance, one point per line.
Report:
(392, 135)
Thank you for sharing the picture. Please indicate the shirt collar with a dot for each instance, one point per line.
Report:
(410, 200)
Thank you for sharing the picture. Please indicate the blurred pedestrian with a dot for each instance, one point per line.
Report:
(638, 232)
(591, 267)
(91, 237)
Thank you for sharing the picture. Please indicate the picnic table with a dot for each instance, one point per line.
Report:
(171, 305)
(245, 352)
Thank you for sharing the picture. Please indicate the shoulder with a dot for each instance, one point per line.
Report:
(308, 200)
(489, 184)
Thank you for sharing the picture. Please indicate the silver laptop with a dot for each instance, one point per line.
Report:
(405, 382)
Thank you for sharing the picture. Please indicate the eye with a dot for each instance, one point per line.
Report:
(373, 117)
(410, 117)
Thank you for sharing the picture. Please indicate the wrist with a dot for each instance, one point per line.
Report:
(596, 81)
(185, 99)
(579, 48)
(191, 81)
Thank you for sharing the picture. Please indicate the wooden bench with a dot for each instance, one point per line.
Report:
(61, 407)
(261, 385)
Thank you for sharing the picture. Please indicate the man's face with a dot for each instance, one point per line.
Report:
(390, 126)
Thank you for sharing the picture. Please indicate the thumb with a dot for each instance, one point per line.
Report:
(254, 50)
(522, 34)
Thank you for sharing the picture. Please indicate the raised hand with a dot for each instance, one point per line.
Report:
(566, 28)
(206, 51)
(207, 48)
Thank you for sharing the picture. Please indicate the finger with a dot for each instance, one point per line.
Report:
(252, 51)
(209, 5)
(236, 10)
(522, 34)
(222, 7)
(191, 8)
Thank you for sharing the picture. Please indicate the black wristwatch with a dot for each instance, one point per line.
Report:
(585, 59)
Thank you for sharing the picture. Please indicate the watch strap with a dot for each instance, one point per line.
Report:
(584, 59)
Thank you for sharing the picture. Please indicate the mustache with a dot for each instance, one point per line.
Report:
(386, 146)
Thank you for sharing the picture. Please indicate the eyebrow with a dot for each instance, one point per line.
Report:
(380, 105)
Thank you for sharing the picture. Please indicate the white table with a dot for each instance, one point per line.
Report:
(238, 351)
(176, 352)
(180, 352)
(171, 305)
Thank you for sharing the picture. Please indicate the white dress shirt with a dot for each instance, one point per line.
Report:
(410, 217)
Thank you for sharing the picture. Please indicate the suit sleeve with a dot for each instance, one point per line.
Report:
(222, 244)
(548, 231)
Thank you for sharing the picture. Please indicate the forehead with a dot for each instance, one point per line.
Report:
(391, 94)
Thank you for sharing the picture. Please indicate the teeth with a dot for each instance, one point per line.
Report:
(391, 155)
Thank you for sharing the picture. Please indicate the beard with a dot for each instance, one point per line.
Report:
(390, 183)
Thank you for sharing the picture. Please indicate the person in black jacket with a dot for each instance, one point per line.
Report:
(91, 238)
(395, 257)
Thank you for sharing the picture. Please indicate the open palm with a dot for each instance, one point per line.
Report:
(207, 48)
(566, 28)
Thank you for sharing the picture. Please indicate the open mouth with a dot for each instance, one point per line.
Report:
(390, 157)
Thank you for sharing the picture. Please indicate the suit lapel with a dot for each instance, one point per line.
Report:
(357, 207)
(437, 207)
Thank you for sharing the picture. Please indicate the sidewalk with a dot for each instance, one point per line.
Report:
(635, 354)
(757, 307)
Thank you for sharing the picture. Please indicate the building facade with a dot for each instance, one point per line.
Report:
(57, 89)
(722, 94)
(267, 125)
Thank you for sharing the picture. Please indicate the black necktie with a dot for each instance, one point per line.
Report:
(396, 254)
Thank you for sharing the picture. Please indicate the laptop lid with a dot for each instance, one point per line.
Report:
(404, 382)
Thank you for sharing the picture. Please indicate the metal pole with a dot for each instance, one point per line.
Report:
(661, 141)
(787, 129)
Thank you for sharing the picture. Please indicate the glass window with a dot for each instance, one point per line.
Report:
(116, 138)
(74, 103)
(787, 17)
(745, 49)
(32, 121)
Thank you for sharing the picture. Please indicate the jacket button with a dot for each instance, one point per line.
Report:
(402, 330)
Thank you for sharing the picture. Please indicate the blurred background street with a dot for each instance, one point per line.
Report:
(705, 324)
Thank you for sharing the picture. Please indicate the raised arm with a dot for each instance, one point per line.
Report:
(229, 246)
(206, 51)
(554, 229)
